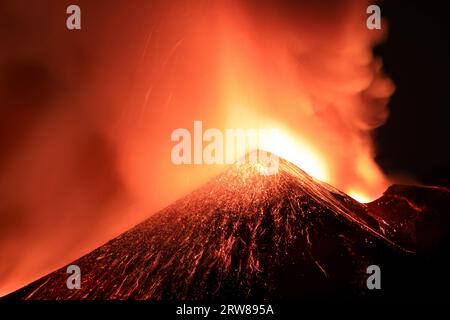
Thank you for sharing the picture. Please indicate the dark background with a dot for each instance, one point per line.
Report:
(414, 140)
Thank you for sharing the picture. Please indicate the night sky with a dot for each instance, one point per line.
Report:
(416, 55)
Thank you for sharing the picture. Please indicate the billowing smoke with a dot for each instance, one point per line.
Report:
(87, 115)
(310, 67)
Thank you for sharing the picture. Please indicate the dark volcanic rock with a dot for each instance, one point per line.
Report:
(246, 235)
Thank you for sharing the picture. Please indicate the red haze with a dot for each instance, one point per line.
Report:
(86, 116)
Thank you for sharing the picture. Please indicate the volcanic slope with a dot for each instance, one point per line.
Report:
(242, 235)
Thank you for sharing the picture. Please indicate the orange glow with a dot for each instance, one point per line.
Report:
(293, 149)
(359, 196)
(323, 94)
(93, 150)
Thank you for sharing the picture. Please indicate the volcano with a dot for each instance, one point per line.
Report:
(245, 235)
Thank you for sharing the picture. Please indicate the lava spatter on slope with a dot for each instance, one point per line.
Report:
(243, 235)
